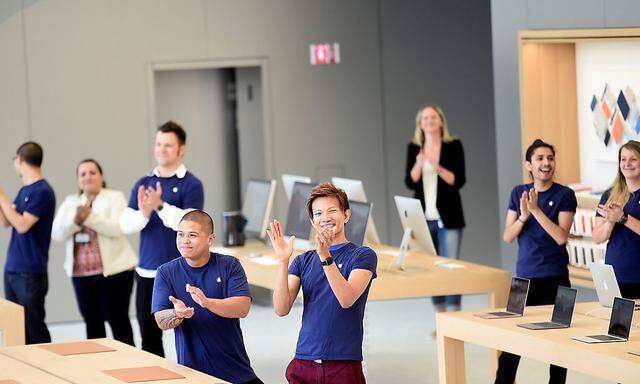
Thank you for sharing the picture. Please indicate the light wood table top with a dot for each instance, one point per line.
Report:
(610, 361)
(87, 368)
(11, 369)
(421, 277)
(11, 323)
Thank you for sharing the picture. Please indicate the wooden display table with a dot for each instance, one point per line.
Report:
(580, 277)
(11, 323)
(87, 368)
(11, 369)
(607, 361)
(422, 275)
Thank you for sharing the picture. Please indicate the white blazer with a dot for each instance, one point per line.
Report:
(115, 250)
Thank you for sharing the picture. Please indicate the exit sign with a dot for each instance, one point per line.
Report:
(325, 53)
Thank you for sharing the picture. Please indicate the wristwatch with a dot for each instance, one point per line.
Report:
(327, 261)
(624, 219)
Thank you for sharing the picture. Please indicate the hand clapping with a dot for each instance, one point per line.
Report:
(612, 212)
(149, 199)
(182, 311)
(283, 248)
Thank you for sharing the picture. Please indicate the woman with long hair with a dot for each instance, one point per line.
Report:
(99, 258)
(540, 215)
(435, 170)
(618, 220)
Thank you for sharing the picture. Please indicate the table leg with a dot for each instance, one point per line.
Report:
(451, 369)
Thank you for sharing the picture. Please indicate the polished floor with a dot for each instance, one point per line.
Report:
(399, 348)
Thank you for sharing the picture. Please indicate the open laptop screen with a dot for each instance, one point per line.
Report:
(621, 316)
(518, 295)
(563, 307)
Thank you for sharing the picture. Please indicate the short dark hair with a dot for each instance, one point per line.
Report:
(200, 217)
(31, 153)
(327, 190)
(176, 129)
(537, 143)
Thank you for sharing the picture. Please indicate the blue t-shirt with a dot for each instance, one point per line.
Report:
(623, 248)
(207, 342)
(157, 242)
(330, 332)
(29, 252)
(538, 253)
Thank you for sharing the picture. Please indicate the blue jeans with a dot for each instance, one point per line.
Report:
(29, 290)
(448, 243)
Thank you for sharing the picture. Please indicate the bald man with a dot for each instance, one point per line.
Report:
(202, 295)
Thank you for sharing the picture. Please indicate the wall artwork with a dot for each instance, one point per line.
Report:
(608, 86)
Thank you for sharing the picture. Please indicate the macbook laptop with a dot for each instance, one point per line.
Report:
(604, 278)
(619, 324)
(562, 311)
(517, 301)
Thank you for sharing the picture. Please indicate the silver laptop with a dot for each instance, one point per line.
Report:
(562, 311)
(619, 324)
(604, 278)
(517, 301)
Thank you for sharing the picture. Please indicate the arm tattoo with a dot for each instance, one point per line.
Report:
(167, 319)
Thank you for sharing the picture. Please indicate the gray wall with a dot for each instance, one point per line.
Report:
(75, 77)
(439, 52)
(507, 18)
(198, 100)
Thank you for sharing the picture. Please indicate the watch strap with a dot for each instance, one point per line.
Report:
(328, 261)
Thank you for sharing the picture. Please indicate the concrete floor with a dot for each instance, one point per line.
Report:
(399, 348)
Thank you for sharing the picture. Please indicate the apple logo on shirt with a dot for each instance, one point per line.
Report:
(551, 203)
(26, 199)
(175, 189)
(340, 266)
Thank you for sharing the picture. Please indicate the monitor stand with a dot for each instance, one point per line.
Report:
(302, 244)
(404, 248)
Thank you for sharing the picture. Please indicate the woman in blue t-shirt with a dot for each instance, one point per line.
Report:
(618, 220)
(540, 215)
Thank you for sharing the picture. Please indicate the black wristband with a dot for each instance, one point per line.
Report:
(328, 261)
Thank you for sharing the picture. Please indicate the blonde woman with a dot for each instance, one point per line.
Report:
(435, 171)
(618, 220)
(99, 258)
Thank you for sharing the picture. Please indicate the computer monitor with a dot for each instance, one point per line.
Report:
(356, 227)
(289, 180)
(416, 232)
(564, 304)
(257, 205)
(518, 295)
(355, 191)
(298, 223)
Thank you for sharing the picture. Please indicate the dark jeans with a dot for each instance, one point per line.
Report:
(334, 372)
(630, 290)
(447, 243)
(106, 298)
(254, 381)
(542, 291)
(151, 333)
(29, 290)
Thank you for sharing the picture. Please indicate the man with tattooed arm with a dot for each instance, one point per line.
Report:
(202, 295)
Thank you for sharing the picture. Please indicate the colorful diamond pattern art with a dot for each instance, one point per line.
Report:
(616, 119)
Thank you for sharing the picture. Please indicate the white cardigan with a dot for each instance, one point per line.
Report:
(115, 250)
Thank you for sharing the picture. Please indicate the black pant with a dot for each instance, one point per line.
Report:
(542, 291)
(151, 333)
(29, 290)
(254, 381)
(106, 298)
(630, 290)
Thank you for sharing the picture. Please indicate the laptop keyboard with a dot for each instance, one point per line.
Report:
(501, 313)
(604, 337)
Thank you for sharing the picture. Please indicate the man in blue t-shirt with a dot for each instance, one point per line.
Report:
(335, 280)
(202, 295)
(157, 203)
(31, 216)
